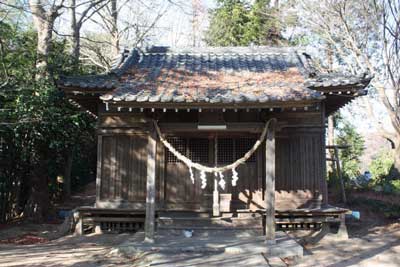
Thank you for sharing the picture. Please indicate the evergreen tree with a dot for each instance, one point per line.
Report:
(38, 127)
(350, 157)
(237, 23)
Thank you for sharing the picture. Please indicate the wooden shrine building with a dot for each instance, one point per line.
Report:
(212, 105)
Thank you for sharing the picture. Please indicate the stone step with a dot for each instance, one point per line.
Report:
(227, 242)
(183, 213)
(218, 222)
(206, 214)
(211, 232)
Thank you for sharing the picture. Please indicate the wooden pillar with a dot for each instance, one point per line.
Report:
(270, 185)
(323, 179)
(339, 174)
(150, 186)
(216, 208)
(99, 167)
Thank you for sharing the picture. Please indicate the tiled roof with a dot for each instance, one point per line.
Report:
(338, 79)
(211, 75)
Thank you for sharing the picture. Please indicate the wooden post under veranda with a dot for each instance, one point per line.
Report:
(270, 184)
(150, 186)
(338, 168)
(216, 207)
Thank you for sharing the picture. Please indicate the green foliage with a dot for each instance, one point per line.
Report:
(38, 127)
(395, 186)
(237, 23)
(391, 211)
(380, 166)
(350, 158)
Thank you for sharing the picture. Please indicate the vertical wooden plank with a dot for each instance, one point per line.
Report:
(324, 184)
(161, 171)
(131, 169)
(339, 174)
(259, 172)
(270, 185)
(113, 169)
(150, 186)
(106, 168)
(124, 172)
(293, 162)
(305, 160)
(120, 168)
(99, 166)
(143, 169)
(136, 152)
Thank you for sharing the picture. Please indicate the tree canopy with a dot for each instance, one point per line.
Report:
(38, 126)
(239, 23)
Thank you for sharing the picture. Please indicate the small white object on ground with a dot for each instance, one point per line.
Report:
(188, 233)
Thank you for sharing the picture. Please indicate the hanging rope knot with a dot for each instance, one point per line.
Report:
(216, 170)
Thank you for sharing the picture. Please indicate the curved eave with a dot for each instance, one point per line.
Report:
(208, 105)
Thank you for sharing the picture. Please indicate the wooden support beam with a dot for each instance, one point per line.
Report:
(339, 174)
(216, 208)
(99, 167)
(270, 185)
(150, 186)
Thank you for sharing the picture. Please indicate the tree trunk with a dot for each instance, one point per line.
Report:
(75, 36)
(395, 170)
(37, 207)
(114, 28)
(67, 174)
(43, 47)
(44, 25)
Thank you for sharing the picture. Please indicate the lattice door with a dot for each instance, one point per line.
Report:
(180, 191)
(249, 186)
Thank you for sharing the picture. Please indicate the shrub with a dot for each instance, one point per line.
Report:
(390, 211)
(395, 186)
(380, 166)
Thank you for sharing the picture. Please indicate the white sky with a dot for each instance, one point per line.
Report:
(173, 29)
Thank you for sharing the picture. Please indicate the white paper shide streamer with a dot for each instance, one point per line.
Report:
(235, 177)
(191, 174)
(221, 181)
(203, 179)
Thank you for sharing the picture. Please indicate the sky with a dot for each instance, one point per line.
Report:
(174, 28)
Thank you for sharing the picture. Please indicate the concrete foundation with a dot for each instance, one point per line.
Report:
(227, 242)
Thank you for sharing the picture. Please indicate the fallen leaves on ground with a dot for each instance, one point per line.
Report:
(27, 239)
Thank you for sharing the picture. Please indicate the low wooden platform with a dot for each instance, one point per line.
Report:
(309, 219)
(104, 220)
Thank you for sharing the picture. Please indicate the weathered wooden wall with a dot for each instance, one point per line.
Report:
(299, 168)
(123, 168)
(300, 163)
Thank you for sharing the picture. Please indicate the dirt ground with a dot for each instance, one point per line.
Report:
(377, 245)
(77, 251)
(373, 241)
